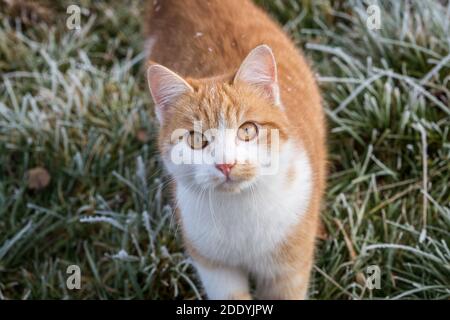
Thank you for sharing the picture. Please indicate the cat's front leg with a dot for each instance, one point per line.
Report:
(223, 283)
(289, 285)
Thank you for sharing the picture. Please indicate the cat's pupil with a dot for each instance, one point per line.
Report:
(197, 140)
(247, 131)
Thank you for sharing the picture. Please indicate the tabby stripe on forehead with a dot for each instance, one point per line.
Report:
(233, 109)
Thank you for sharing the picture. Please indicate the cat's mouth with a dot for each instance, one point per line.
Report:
(239, 179)
(230, 185)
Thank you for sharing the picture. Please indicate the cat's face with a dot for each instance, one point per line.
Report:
(221, 135)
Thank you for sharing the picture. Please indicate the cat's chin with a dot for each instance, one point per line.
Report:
(233, 186)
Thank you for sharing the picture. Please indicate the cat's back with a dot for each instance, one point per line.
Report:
(204, 38)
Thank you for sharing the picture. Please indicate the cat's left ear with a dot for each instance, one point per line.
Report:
(165, 87)
(259, 69)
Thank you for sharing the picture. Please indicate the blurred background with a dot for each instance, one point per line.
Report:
(81, 183)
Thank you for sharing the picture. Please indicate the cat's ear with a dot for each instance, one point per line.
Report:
(165, 86)
(259, 69)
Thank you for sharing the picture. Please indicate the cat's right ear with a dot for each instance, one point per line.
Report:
(165, 86)
(259, 69)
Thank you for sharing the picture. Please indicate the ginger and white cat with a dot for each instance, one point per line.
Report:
(224, 77)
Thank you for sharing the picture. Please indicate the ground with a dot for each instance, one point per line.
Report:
(81, 182)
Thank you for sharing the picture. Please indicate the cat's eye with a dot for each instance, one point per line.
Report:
(248, 131)
(197, 140)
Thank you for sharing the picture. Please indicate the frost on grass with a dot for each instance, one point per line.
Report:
(77, 104)
(122, 255)
(102, 219)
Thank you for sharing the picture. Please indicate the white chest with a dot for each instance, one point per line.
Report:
(244, 229)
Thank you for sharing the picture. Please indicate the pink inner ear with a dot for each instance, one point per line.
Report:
(165, 86)
(259, 69)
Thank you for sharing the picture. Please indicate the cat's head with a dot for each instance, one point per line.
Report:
(225, 134)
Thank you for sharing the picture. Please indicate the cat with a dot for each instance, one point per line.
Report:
(223, 77)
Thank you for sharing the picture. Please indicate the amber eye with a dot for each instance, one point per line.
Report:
(197, 140)
(248, 131)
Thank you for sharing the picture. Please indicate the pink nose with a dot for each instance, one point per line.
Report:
(225, 168)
